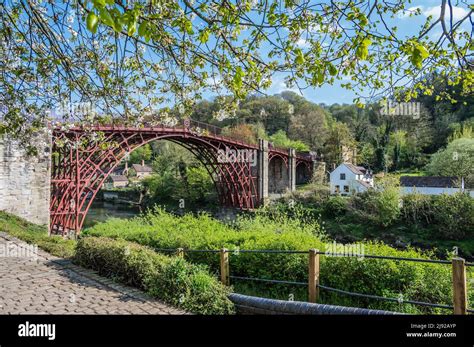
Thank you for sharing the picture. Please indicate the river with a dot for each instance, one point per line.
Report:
(100, 211)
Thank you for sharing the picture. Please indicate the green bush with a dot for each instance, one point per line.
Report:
(335, 206)
(379, 207)
(171, 279)
(417, 209)
(454, 215)
(451, 215)
(415, 281)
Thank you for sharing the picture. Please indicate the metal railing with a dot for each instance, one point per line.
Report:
(459, 275)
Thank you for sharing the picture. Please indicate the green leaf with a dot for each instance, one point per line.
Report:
(106, 18)
(362, 51)
(239, 74)
(188, 26)
(299, 60)
(117, 25)
(132, 27)
(363, 19)
(99, 3)
(204, 35)
(419, 53)
(142, 28)
(92, 22)
(332, 70)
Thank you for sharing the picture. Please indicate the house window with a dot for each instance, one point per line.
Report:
(337, 189)
(346, 189)
(343, 177)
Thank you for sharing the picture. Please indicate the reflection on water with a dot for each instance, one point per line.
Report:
(100, 211)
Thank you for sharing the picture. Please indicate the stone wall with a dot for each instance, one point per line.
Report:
(25, 179)
(278, 178)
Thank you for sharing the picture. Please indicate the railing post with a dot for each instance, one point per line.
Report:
(180, 252)
(225, 267)
(313, 275)
(459, 286)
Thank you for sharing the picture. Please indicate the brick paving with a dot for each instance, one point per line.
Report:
(52, 285)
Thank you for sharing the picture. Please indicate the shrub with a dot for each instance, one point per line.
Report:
(335, 206)
(381, 207)
(171, 279)
(417, 209)
(454, 215)
(415, 281)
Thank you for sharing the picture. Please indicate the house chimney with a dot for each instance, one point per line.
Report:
(143, 162)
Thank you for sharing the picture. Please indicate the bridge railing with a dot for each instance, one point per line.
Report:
(209, 128)
(460, 305)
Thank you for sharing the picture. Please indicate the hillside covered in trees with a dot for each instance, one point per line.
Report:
(439, 140)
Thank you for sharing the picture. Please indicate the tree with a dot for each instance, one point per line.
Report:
(456, 160)
(142, 153)
(397, 144)
(280, 139)
(271, 111)
(310, 128)
(248, 133)
(338, 142)
(128, 58)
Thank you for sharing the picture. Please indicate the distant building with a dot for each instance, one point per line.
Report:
(431, 185)
(142, 170)
(348, 179)
(116, 181)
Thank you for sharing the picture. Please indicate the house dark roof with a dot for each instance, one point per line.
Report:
(358, 170)
(429, 181)
(119, 178)
(118, 171)
(141, 168)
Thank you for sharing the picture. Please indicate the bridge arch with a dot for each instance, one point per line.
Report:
(80, 166)
(83, 158)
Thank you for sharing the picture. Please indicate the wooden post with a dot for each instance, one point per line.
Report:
(225, 267)
(180, 252)
(459, 286)
(313, 275)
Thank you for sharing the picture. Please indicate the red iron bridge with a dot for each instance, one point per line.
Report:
(243, 174)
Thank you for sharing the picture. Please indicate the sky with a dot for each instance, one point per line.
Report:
(330, 94)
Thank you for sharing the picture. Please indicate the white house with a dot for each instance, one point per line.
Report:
(348, 179)
(431, 185)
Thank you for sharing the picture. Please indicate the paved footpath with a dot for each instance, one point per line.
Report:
(52, 285)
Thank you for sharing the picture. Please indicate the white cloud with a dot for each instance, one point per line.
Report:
(458, 12)
(302, 43)
(434, 11)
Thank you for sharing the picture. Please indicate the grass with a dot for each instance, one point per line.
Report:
(35, 234)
